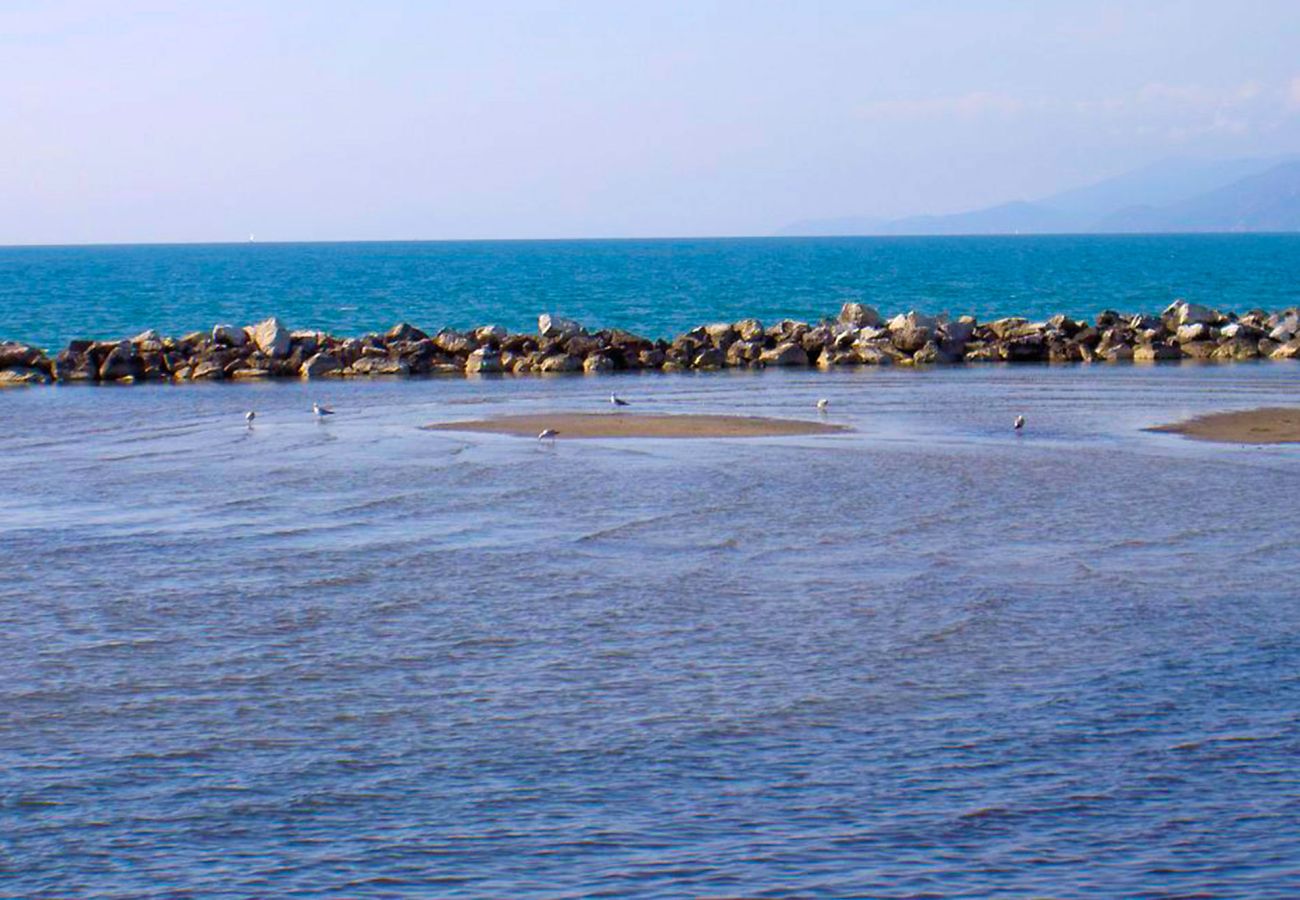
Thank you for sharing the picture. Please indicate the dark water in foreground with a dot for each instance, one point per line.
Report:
(657, 288)
(928, 658)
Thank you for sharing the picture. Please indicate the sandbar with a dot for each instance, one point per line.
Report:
(645, 425)
(1268, 425)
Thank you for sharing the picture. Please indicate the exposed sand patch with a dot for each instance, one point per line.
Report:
(1268, 425)
(620, 425)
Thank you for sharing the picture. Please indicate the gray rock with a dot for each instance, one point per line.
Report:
(597, 363)
(229, 335)
(319, 365)
(483, 361)
(1194, 331)
(787, 354)
(749, 330)
(557, 326)
(271, 337)
(859, 315)
(561, 362)
(23, 375)
(1183, 313)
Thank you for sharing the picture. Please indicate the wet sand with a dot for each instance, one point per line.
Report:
(1253, 426)
(620, 425)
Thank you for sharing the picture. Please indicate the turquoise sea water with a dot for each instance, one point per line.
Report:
(657, 288)
(927, 657)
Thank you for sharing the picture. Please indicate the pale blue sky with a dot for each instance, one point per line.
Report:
(138, 121)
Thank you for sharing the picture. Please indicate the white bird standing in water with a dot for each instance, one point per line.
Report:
(249, 417)
(1020, 422)
(616, 400)
(321, 411)
(547, 433)
(822, 404)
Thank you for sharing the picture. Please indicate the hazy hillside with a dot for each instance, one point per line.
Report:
(1269, 201)
(1173, 195)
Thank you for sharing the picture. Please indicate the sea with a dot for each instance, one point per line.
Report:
(926, 657)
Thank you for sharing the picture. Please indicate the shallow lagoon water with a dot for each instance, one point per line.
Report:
(931, 657)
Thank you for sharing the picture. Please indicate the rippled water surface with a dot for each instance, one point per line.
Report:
(658, 288)
(930, 657)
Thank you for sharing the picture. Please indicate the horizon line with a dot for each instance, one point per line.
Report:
(680, 237)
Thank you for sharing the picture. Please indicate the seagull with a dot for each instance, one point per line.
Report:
(1020, 422)
(249, 417)
(823, 403)
(617, 400)
(547, 433)
(321, 411)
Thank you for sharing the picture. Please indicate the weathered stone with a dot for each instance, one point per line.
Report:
(709, 358)
(1024, 349)
(484, 361)
(561, 362)
(379, 365)
(211, 369)
(1238, 348)
(1116, 353)
(910, 331)
(319, 365)
(787, 354)
(271, 337)
(490, 334)
(557, 326)
(1242, 330)
(1195, 331)
(13, 375)
(959, 332)
(1153, 352)
(1289, 350)
(596, 363)
(750, 330)
(229, 335)
(121, 362)
(930, 354)
(651, 358)
(404, 331)
(1180, 312)
(454, 342)
(1003, 328)
(876, 353)
(859, 315)
(1198, 349)
(721, 334)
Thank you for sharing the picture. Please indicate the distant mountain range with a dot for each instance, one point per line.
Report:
(1176, 195)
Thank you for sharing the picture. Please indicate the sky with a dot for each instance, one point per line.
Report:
(318, 120)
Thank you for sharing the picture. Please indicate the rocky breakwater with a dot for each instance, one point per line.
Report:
(857, 336)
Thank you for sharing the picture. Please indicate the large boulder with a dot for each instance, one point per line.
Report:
(21, 355)
(455, 343)
(859, 315)
(1180, 312)
(911, 330)
(1194, 331)
(596, 363)
(319, 365)
(404, 331)
(23, 375)
(121, 362)
(787, 354)
(557, 326)
(1155, 351)
(1289, 350)
(229, 335)
(271, 337)
(750, 330)
(483, 361)
(721, 334)
(561, 362)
